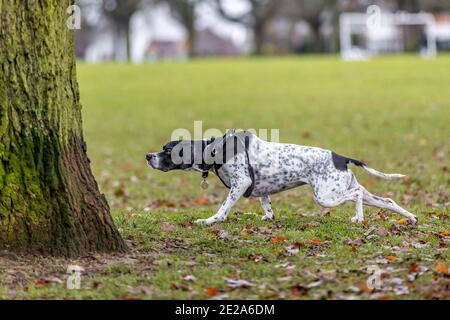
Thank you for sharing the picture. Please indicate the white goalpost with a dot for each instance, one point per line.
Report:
(381, 32)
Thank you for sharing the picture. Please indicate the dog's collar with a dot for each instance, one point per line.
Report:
(215, 167)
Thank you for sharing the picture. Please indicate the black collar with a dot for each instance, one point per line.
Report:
(215, 167)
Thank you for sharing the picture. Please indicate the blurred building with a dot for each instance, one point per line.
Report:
(160, 49)
(362, 37)
(441, 31)
(210, 44)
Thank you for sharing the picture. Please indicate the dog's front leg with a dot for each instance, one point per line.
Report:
(237, 190)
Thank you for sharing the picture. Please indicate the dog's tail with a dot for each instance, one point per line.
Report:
(341, 163)
(382, 175)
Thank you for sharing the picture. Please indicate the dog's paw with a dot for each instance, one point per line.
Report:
(204, 222)
(357, 220)
(268, 218)
(413, 220)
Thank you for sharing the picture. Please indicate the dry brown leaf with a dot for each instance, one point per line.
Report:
(312, 224)
(46, 281)
(167, 227)
(446, 233)
(442, 268)
(413, 268)
(402, 221)
(244, 232)
(277, 239)
(391, 258)
(202, 200)
(382, 231)
(315, 241)
(211, 292)
(256, 257)
(364, 288)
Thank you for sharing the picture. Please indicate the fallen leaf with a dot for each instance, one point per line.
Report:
(167, 227)
(256, 257)
(362, 286)
(146, 290)
(402, 221)
(202, 200)
(158, 203)
(277, 239)
(42, 282)
(446, 233)
(413, 268)
(391, 258)
(190, 278)
(211, 292)
(442, 268)
(315, 241)
(97, 285)
(312, 224)
(223, 235)
(244, 232)
(238, 283)
(182, 287)
(292, 250)
(382, 215)
(382, 231)
(299, 290)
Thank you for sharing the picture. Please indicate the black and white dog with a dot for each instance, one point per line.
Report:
(249, 166)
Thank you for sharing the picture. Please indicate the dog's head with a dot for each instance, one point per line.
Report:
(199, 155)
(180, 155)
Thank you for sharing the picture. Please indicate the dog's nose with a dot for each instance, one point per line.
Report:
(149, 156)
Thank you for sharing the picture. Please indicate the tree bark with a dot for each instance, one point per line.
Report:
(258, 39)
(49, 199)
(127, 33)
(191, 41)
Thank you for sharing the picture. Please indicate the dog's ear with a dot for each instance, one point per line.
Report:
(210, 150)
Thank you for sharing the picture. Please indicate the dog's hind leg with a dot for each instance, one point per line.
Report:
(386, 203)
(333, 199)
(267, 207)
(357, 197)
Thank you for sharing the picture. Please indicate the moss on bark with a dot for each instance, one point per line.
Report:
(49, 200)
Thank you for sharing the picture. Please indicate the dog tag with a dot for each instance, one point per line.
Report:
(204, 184)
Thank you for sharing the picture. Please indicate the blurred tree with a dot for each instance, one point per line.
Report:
(319, 12)
(121, 12)
(49, 199)
(313, 12)
(257, 18)
(420, 5)
(184, 12)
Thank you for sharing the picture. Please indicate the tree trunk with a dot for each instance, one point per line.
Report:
(258, 39)
(317, 39)
(191, 41)
(127, 33)
(49, 199)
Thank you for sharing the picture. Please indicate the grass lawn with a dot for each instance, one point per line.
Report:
(392, 112)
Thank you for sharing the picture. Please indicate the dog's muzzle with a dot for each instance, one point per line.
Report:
(150, 158)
